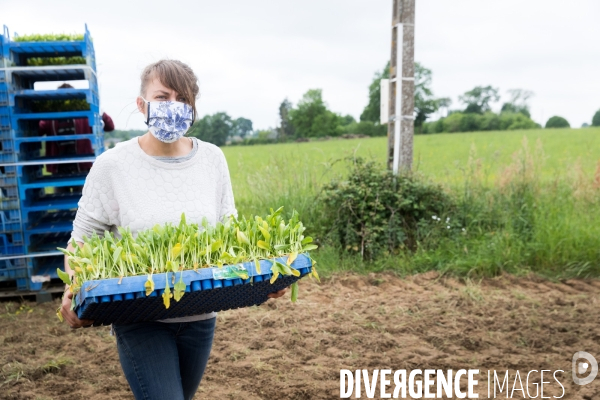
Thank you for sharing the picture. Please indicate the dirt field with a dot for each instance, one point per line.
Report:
(285, 351)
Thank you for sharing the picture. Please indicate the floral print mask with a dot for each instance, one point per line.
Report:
(168, 121)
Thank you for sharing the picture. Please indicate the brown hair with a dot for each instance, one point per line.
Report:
(176, 76)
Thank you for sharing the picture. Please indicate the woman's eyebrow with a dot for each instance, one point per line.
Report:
(161, 91)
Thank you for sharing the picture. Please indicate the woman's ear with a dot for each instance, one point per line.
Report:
(141, 105)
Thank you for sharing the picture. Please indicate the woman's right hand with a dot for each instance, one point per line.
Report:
(70, 315)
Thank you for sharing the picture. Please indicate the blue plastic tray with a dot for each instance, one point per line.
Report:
(106, 301)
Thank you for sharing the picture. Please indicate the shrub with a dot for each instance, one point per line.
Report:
(596, 119)
(366, 128)
(557, 122)
(375, 212)
(471, 122)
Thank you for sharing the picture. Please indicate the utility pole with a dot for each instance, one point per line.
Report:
(402, 87)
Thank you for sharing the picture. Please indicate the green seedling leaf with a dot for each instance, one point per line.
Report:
(274, 277)
(167, 294)
(87, 250)
(241, 274)
(117, 253)
(307, 240)
(179, 289)
(265, 232)
(293, 255)
(63, 276)
(176, 250)
(64, 251)
(257, 265)
(241, 237)
(59, 314)
(149, 285)
(216, 246)
(315, 274)
(294, 292)
(263, 245)
(310, 247)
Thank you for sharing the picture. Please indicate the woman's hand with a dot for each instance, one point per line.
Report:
(70, 315)
(277, 294)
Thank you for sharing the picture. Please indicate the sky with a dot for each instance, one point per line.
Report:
(251, 55)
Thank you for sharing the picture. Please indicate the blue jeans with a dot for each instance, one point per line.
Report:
(164, 360)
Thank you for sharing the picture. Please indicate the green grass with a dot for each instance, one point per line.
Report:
(528, 198)
(443, 157)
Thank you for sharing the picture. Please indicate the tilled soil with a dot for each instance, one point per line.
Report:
(282, 350)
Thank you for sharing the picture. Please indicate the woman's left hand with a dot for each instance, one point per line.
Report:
(277, 294)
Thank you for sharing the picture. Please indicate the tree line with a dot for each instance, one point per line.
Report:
(311, 117)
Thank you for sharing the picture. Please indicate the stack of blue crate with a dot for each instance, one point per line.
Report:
(39, 191)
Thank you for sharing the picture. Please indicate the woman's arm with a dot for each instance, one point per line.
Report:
(69, 315)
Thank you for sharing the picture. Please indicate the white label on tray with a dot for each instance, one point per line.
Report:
(230, 272)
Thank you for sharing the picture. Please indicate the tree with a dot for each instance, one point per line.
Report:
(214, 128)
(557, 122)
(312, 118)
(242, 127)
(518, 102)
(425, 103)
(347, 120)
(286, 129)
(479, 98)
(372, 111)
(596, 119)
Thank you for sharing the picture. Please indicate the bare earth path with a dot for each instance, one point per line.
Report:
(295, 351)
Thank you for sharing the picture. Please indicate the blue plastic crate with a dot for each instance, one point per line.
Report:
(30, 273)
(8, 181)
(61, 201)
(4, 121)
(10, 221)
(8, 204)
(41, 270)
(15, 270)
(7, 145)
(10, 192)
(17, 52)
(8, 157)
(90, 95)
(8, 171)
(11, 244)
(108, 301)
(44, 242)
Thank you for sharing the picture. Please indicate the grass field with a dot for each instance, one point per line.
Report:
(443, 157)
(531, 196)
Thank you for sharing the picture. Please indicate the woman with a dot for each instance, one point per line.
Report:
(151, 180)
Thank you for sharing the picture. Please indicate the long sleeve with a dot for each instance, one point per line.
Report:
(96, 208)
(227, 200)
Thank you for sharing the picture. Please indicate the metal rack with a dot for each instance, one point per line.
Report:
(39, 191)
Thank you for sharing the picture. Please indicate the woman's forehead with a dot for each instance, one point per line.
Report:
(155, 85)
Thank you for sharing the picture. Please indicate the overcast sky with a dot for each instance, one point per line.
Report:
(250, 55)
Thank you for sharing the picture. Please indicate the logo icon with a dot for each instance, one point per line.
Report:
(581, 367)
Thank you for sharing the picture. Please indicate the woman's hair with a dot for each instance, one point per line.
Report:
(176, 76)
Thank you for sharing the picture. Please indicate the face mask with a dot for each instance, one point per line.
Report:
(168, 121)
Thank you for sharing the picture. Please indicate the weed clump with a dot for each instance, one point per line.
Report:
(373, 213)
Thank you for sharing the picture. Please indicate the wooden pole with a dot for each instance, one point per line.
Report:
(402, 87)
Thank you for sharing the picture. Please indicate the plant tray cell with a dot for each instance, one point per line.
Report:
(107, 301)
